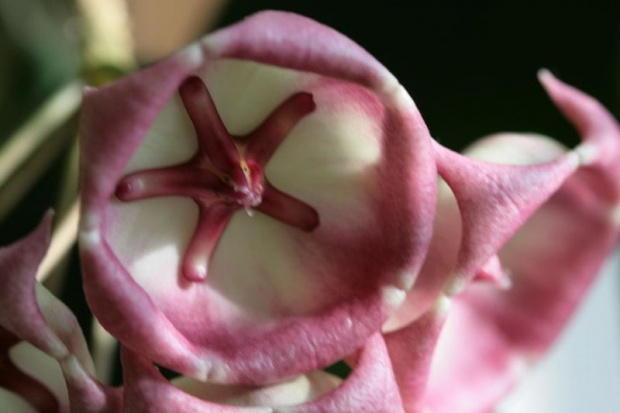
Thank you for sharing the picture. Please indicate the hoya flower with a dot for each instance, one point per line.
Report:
(45, 365)
(255, 206)
(266, 202)
(370, 388)
(531, 285)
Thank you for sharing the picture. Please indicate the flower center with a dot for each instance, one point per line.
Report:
(225, 175)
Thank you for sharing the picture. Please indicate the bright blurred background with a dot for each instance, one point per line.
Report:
(470, 67)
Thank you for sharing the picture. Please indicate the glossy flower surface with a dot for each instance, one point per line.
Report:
(269, 201)
(264, 200)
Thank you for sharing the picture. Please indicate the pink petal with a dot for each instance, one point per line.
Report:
(283, 295)
(22, 315)
(473, 367)
(438, 265)
(146, 390)
(297, 42)
(494, 201)
(86, 393)
(493, 272)
(483, 206)
(552, 260)
(37, 317)
(370, 388)
(102, 159)
(597, 127)
(33, 389)
(291, 392)
(411, 351)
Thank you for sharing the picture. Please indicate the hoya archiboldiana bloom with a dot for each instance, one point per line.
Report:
(369, 388)
(522, 298)
(552, 261)
(45, 365)
(255, 208)
(256, 205)
(481, 204)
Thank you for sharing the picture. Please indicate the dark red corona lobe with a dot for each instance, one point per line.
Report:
(225, 175)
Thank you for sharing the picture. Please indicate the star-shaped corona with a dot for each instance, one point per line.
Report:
(225, 175)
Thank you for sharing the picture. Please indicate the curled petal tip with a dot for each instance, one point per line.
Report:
(596, 126)
(544, 75)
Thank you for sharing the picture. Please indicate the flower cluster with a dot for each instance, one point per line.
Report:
(269, 201)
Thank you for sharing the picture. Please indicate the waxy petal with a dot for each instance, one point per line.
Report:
(36, 318)
(493, 272)
(299, 43)
(438, 265)
(43, 391)
(103, 159)
(288, 393)
(411, 351)
(22, 316)
(146, 390)
(552, 259)
(23, 320)
(494, 201)
(348, 192)
(490, 196)
(597, 127)
(369, 388)
(86, 393)
(472, 367)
